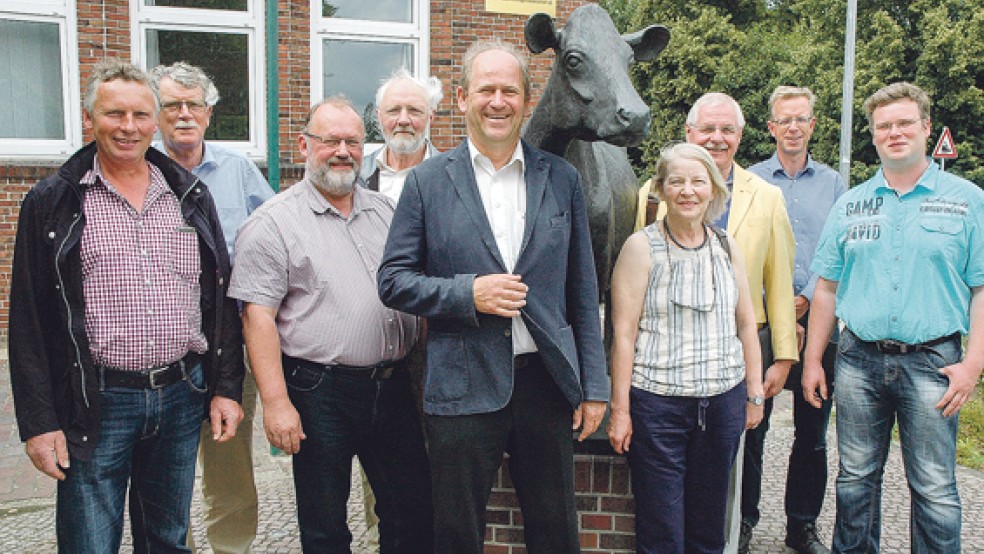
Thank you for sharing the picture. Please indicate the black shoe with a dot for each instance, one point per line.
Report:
(745, 538)
(805, 540)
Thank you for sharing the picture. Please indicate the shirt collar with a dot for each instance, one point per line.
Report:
(927, 180)
(775, 167)
(320, 205)
(478, 158)
(208, 157)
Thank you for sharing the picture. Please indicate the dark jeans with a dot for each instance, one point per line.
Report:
(680, 458)
(806, 480)
(149, 439)
(345, 416)
(466, 451)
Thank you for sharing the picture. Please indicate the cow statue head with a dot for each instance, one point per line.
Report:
(590, 96)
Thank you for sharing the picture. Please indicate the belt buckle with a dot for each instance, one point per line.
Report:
(894, 347)
(152, 376)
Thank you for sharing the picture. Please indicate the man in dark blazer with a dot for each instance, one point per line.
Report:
(490, 242)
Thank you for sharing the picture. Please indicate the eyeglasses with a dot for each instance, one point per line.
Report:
(333, 143)
(174, 106)
(726, 130)
(785, 122)
(904, 125)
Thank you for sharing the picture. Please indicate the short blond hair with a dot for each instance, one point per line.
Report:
(895, 92)
(688, 151)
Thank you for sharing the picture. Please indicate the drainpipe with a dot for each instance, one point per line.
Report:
(272, 96)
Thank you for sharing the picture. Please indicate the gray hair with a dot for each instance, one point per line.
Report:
(188, 76)
(784, 92)
(715, 99)
(688, 151)
(111, 69)
(338, 101)
(431, 87)
(487, 45)
(895, 92)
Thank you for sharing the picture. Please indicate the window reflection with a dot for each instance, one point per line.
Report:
(377, 10)
(225, 58)
(31, 81)
(232, 5)
(355, 69)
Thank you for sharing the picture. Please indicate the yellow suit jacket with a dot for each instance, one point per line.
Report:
(760, 226)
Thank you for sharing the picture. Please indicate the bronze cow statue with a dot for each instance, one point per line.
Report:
(590, 112)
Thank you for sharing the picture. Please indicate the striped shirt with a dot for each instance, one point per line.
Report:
(688, 334)
(299, 255)
(140, 276)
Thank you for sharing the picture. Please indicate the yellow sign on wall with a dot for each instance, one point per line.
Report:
(522, 7)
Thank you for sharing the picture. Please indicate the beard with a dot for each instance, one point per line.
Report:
(332, 182)
(404, 145)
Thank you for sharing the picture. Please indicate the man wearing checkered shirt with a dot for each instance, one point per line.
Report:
(121, 337)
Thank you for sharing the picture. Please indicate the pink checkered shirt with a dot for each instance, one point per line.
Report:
(140, 275)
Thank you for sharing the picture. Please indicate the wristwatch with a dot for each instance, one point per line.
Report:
(756, 400)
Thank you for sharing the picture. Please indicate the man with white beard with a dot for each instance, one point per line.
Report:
(405, 109)
(328, 357)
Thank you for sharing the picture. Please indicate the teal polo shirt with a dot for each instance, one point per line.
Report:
(905, 265)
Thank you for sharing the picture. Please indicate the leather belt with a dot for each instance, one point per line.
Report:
(526, 360)
(150, 378)
(377, 372)
(889, 346)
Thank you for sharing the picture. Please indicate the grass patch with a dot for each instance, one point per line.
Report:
(970, 436)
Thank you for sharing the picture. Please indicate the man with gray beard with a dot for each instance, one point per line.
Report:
(328, 357)
(405, 109)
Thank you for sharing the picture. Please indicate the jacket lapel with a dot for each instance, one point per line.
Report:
(537, 170)
(741, 200)
(462, 176)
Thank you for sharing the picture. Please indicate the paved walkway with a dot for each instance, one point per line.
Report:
(27, 497)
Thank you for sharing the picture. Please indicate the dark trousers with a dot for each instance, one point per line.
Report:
(681, 456)
(806, 480)
(466, 451)
(345, 416)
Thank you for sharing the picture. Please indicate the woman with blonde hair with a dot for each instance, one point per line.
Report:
(684, 360)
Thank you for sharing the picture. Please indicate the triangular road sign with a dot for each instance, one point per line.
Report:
(945, 148)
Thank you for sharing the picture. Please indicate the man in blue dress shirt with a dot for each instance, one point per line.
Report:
(901, 263)
(187, 98)
(810, 189)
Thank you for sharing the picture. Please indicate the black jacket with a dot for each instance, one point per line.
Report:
(55, 385)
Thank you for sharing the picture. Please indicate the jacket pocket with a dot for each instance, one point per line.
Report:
(446, 377)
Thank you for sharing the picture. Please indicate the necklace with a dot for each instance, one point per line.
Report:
(682, 247)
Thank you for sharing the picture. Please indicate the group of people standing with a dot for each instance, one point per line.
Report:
(141, 270)
(709, 326)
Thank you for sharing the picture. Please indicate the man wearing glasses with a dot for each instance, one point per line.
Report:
(328, 357)
(810, 189)
(237, 186)
(901, 263)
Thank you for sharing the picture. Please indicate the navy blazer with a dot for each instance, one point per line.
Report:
(440, 240)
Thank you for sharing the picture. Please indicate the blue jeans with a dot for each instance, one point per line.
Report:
(680, 458)
(873, 390)
(149, 440)
(376, 420)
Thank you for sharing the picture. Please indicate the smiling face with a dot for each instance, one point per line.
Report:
(900, 134)
(332, 146)
(122, 121)
(716, 129)
(405, 116)
(184, 115)
(792, 125)
(495, 102)
(687, 190)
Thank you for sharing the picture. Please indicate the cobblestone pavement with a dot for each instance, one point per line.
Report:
(27, 519)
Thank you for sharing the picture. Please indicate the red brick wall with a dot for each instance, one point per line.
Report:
(604, 506)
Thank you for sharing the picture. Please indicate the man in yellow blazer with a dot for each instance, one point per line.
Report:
(756, 218)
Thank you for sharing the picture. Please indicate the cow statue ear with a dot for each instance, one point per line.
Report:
(647, 43)
(540, 33)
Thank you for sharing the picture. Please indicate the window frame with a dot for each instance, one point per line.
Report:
(63, 13)
(416, 33)
(251, 23)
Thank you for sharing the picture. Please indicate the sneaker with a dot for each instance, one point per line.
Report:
(745, 538)
(805, 540)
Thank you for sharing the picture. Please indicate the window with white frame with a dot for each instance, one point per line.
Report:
(39, 80)
(356, 44)
(225, 39)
